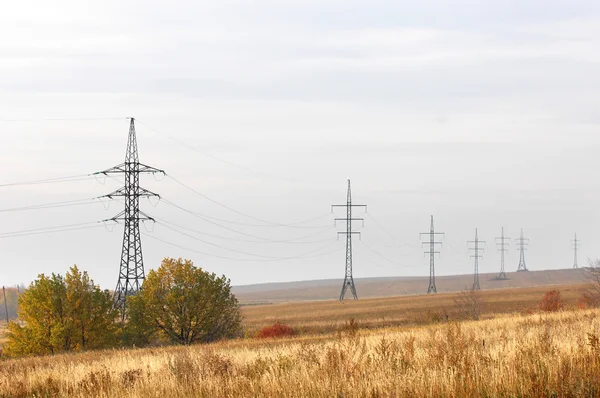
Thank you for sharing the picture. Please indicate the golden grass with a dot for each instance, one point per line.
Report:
(326, 316)
(555, 354)
(2, 335)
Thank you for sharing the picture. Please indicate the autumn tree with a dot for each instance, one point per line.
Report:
(552, 301)
(591, 293)
(62, 314)
(183, 304)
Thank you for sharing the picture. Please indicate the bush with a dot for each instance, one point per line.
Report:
(551, 302)
(62, 314)
(275, 331)
(183, 304)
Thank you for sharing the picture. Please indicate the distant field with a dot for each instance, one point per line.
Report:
(399, 286)
(326, 316)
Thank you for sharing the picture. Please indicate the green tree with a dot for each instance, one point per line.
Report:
(140, 329)
(62, 314)
(185, 304)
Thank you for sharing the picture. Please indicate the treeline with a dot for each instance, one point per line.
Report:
(179, 304)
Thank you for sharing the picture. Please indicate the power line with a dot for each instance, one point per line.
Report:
(221, 247)
(309, 255)
(362, 241)
(205, 219)
(67, 203)
(47, 230)
(271, 223)
(261, 240)
(245, 168)
(388, 232)
(68, 119)
(79, 177)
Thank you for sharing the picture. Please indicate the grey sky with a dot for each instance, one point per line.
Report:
(481, 113)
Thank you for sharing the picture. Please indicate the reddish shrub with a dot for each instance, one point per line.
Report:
(277, 330)
(551, 302)
(584, 303)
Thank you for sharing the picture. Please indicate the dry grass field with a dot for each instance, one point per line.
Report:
(549, 355)
(511, 351)
(327, 316)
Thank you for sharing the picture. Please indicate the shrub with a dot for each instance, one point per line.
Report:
(584, 303)
(275, 331)
(551, 302)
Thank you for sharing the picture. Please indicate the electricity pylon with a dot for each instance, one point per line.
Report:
(576, 243)
(131, 271)
(476, 256)
(348, 279)
(432, 242)
(522, 243)
(501, 244)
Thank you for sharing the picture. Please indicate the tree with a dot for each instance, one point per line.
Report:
(591, 294)
(184, 304)
(469, 302)
(62, 314)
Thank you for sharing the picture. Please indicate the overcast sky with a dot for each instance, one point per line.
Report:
(484, 114)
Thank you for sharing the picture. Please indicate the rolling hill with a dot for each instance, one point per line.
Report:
(398, 286)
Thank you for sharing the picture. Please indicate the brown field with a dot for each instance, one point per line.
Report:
(511, 352)
(540, 355)
(327, 316)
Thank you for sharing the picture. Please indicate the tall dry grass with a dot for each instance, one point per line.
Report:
(555, 354)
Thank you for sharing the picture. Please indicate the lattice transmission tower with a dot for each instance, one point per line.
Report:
(432, 245)
(348, 279)
(576, 244)
(131, 270)
(522, 244)
(476, 249)
(501, 243)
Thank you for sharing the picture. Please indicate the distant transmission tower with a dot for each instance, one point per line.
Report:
(502, 242)
(432, 242)
(476, 249)
(348, 279)
(522, 243)
(131, 272)
(576, 244)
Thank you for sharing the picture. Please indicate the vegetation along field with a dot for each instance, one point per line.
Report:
(510, 342)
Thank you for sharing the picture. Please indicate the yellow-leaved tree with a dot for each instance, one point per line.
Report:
(62, 314)
(184, 304)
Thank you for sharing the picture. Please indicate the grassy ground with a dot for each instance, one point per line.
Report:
(538, 355)
(2, 328)
(326, 316)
